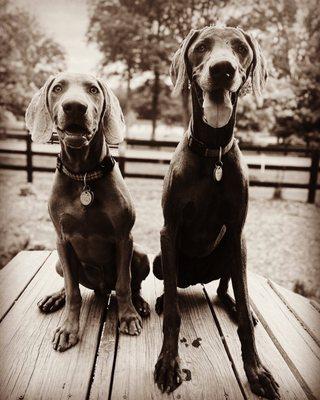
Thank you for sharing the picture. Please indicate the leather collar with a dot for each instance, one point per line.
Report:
(105, 166)
(201, 149)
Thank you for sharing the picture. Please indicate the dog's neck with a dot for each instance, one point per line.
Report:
(211, 137)
(85, 158)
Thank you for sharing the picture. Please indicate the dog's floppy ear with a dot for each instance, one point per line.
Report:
(178, 68)
(258, 71)
(112, 121)
(38, 118)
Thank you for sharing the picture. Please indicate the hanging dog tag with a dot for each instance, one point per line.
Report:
(86, 197)
(217, 172)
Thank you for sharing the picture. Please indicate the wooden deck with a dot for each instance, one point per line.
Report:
(105, 365)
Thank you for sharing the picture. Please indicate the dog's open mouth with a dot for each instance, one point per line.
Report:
(217, 107)
(75, 129)
(76, 135)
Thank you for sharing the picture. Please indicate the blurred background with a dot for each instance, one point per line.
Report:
(131, 43)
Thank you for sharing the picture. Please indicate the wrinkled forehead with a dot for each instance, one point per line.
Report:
(73, 79)
(220, 34)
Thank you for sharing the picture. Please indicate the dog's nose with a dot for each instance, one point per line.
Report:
(222, 71)
(74, 108)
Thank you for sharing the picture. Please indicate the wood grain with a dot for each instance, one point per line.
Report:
(202, 352)
(16, 275)
(297, 347)
(32, 369)
(270, 356)
(306, 314)
(103, 371)
(136, 357)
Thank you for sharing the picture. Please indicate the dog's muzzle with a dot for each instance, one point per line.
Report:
(217, 101)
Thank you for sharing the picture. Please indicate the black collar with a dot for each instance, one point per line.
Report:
(105, 166)
(201, 149)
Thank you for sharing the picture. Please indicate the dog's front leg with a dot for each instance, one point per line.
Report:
(167, 370)
(261, 381)
(130, 321)
(66, 335)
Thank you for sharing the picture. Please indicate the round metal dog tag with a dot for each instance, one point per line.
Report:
(86, 197)
(217, 173)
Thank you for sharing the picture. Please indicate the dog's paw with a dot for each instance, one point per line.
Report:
(262, 382)
(65, 336)
(130, 322)
(141, 306)
(167, 373)
(53, 302)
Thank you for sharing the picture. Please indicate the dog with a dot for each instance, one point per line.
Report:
(90, 205)
(205, 195)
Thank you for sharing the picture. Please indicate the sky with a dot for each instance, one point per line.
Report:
(66, 21)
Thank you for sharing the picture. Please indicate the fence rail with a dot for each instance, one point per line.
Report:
(123, 159)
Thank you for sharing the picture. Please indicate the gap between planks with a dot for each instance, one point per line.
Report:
(290, 387)
(17, 275)
(301, 308)
(278, 322)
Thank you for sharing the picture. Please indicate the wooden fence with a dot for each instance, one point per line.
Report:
(312, 186)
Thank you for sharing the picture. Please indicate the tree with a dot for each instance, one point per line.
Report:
(132, 32)
(27, 57)
(144, 34)
(119, 35)
(306, 75)
(289, 32)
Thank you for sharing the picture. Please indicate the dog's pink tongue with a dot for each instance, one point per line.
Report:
(218, 111)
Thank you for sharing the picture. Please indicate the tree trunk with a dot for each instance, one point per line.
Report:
(155, 102)
(128, 102)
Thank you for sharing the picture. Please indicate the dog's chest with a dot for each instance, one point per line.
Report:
(74, 220)
(85, 222)
(202, 226)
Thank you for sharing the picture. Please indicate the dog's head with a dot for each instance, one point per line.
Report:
(221, 61)
(77, 106)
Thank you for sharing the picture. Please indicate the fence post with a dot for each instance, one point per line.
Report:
(315, 156)
(29, 158)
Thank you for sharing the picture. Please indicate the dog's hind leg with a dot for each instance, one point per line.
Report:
(228, 302)
(56, 300)
(140, 268)
(157, 271)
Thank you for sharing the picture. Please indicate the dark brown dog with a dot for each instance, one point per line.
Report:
(205, 195)
(90, 205)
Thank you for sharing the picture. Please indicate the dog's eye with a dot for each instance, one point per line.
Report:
(201, 48)
(242, 49)
(57, 88)
(94, 90)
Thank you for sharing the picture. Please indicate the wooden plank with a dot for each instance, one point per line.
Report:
(300, 306)
(270, 356)
(16, 275)
(103, 370)
(135, 358)
(203, 353)
(32, 369)
(315, 304)
(297, 347)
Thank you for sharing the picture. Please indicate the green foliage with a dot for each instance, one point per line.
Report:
(27, 57)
